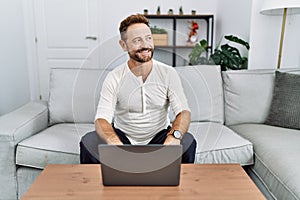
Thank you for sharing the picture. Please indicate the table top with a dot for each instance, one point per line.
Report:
(197, 181)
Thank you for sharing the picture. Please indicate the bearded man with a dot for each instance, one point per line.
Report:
(135, 99)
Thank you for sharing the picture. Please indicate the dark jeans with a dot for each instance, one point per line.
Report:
(89, 145)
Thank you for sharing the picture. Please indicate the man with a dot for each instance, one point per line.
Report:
(135, 99)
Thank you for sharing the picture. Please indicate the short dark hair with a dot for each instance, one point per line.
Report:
(132, 19)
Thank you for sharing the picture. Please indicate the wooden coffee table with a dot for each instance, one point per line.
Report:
(212, 181)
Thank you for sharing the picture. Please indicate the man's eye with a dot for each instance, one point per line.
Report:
(149, 38)
(137, 41)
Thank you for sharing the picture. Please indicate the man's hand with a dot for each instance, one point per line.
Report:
(181, 123)
(113, 140)
(106, 132)
(170, 140)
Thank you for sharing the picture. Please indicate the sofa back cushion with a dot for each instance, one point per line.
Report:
(248, 95)
(203, 88)
(285, 107)
(74, 94)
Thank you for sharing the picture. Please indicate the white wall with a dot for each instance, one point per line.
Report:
(241, 18)
(111, 18)
(233, 18)
(14, 84)
(113, 13)
(227, 18)
(265, 38)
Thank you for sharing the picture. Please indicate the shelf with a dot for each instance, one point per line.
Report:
(209, 18)
(172, 46)
(179, 46)
(204, 16)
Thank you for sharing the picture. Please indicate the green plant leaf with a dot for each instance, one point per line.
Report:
(203, 43)
(237, 40)
(155, 30)
(228, 57)
(195, 55)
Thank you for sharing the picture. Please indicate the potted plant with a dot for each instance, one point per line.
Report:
(160, 36)
(227, 56)
(158, 10)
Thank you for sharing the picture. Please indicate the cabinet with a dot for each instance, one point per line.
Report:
(177, 32)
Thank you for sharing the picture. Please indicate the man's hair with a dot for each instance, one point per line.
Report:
(132, 19)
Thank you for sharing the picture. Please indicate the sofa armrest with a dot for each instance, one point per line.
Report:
(24, 122)
(15, 127)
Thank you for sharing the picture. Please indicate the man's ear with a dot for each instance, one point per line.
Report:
(123, 45)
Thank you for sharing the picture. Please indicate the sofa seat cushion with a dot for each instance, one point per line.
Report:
(276, 157)
(57, 144)
(218, 144)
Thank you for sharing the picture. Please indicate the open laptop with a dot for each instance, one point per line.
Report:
(140, 165)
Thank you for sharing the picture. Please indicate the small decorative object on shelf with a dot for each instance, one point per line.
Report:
(193, 12)
(170, 12)
(192, 37)
(158, 10)
(160, 36)
(145, 11)
(180, 10)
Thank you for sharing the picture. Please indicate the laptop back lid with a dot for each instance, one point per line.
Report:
(155, 165)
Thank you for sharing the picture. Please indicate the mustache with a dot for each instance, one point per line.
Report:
(144, 49)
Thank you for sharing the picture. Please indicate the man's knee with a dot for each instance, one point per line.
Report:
(188, 140)
(89, 148)
(86, 157)
(189, 148)
(89, 137)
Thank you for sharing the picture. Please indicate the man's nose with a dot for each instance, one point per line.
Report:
(145, 43)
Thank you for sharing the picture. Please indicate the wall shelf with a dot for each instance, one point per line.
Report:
(208, 18)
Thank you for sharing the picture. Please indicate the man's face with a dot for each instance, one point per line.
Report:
(139, 42)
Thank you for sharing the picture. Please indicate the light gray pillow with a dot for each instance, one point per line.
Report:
(74, 94)
(202, 85)
(285, 106)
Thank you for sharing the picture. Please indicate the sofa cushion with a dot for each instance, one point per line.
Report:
(218, 144)
(74, 94)
(57, 144)
(248, 95)
(203, 88)
(285, 107)
(276, 157)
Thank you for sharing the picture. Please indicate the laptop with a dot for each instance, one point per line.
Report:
(140, 165)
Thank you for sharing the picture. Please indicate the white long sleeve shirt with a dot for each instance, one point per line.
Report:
(140, 109)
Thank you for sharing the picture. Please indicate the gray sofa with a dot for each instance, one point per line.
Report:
(228, 112)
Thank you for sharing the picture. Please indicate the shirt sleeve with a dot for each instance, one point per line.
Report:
(176, 94)
(108, 99)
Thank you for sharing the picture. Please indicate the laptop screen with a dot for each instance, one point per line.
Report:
(140, 164)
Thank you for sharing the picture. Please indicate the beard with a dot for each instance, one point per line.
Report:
(135, 55)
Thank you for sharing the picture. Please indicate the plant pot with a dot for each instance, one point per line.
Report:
(160, 39)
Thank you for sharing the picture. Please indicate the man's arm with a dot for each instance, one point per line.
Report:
(106, 132)
(181, 123)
